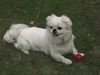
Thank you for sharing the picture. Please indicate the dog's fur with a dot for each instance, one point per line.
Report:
(56, 40)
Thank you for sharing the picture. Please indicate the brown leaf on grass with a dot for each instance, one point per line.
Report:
(97, 53)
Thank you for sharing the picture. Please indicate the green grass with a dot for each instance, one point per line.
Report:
(86, 27)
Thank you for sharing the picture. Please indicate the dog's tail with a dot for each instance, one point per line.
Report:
(12, 34)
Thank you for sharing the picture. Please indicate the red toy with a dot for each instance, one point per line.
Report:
(78, 57)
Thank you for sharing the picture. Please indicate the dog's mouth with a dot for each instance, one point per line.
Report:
(57, 34)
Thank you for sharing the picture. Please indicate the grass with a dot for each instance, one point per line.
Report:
(86, 27)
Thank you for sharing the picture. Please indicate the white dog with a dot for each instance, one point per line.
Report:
(56, 40)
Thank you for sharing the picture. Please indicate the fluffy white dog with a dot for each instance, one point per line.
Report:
(56, 40)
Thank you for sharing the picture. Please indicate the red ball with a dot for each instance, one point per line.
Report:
(78, 57)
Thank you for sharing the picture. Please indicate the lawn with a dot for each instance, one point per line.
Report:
(85, 15)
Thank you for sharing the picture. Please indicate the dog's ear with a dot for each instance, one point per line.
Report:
(66, 20)
(50, 17)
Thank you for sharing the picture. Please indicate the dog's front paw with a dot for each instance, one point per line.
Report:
(68, 62)
(82, 54)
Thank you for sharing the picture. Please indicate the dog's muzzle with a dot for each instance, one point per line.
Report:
(55, 33)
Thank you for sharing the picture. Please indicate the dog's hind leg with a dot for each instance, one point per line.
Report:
(23, 45)
(25, 51)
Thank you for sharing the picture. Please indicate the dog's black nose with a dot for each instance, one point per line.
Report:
(54, 31)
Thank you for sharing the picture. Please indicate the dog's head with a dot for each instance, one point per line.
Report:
(58, 26)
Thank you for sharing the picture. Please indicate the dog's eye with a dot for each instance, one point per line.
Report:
(59, 28)
(51, 27)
